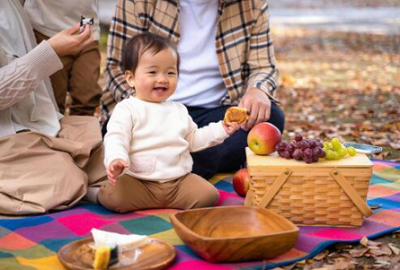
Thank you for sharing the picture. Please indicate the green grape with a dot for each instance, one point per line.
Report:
(342, 152)
(336, 145)
(327, 146)
(336, 156)
(331, 155)
(351, 150)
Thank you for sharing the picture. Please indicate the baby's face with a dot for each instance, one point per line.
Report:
(156, 75)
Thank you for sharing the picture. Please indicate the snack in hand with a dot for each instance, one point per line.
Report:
(84, 22)
(236, 115)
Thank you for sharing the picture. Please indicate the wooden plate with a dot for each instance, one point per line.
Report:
(156, 255)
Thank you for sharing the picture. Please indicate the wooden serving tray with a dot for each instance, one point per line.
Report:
(154, 256)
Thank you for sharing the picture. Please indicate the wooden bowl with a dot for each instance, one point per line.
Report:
(235, 233)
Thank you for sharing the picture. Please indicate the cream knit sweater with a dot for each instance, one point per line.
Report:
(156, 139)
(26, 100)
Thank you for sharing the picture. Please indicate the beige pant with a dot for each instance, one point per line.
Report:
(80, 77)
(129, 194)
(40, 173)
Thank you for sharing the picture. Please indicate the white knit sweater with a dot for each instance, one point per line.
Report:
(26, 100)
(156, 139)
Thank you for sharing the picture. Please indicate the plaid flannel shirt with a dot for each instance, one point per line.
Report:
(243, 43)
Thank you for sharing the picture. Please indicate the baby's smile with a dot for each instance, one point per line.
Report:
(160, 89)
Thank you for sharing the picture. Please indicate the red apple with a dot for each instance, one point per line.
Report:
(263, 138)
(241, 182)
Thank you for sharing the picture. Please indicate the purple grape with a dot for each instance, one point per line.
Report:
(280, 153)
(313, 144)
(323, 154)
(308, 160)
(282, 145)
(285, 143)
(306, 144)
(308, 153)
(315, 158)
(298, 154)
(319, 144)
(290, 148)
(286, 154)
(298, 138)
(299, 145)
(317, 152)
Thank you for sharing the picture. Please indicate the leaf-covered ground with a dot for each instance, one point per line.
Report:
(344, 85)
(383, 253)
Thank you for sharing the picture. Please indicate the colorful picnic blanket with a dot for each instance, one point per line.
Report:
(33, 242)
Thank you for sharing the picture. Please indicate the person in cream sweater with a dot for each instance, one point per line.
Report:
(149, 139)
(47, 160)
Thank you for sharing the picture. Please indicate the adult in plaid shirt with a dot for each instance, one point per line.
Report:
(227, 59)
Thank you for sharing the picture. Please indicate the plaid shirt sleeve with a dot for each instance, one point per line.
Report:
(261, 60)
(123, 26)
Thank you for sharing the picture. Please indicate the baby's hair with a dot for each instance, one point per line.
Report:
(141, 43)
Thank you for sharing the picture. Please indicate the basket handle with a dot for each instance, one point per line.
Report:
(275, 187)
(350, 191)
(249, 198)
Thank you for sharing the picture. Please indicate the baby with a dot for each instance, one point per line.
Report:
(149, 139)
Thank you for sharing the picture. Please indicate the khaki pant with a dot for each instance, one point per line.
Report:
(39, 173)
(79, 76)
(129, 194)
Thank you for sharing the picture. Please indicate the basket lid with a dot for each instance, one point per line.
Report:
(272, 160)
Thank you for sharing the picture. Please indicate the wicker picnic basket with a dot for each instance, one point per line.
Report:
(326, 193)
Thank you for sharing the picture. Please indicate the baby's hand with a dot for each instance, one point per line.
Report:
(115, 169)
(231, 127)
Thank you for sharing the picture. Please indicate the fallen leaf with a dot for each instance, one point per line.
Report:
(358, 252)
(387, 250)
(373, 243)
(341, 264)
(394, 249)
(381, 263)
(321, 255)
(377, 252)
(395, 145)
(316, 264)
(364, 241)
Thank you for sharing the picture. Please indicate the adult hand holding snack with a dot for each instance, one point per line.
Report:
(67, 42)
(258, 104)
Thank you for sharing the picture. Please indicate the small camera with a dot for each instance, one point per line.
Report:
(84, 22)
